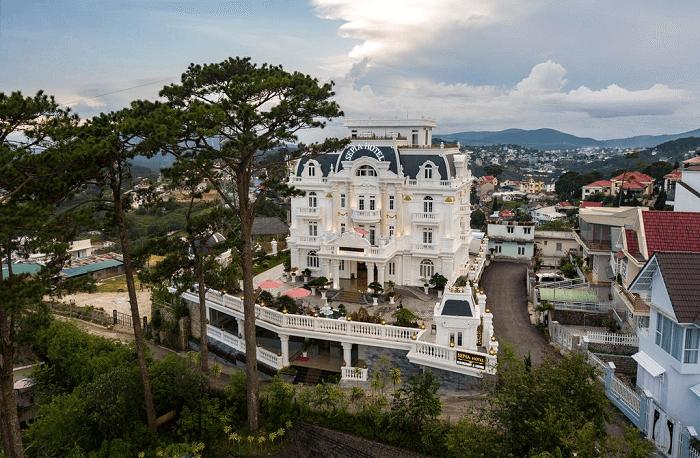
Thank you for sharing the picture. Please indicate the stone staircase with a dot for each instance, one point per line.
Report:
(311, 376)
(352, 297)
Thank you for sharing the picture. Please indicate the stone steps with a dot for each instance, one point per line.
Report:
(349, 296)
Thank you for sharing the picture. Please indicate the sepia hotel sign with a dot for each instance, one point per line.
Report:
(474, 360)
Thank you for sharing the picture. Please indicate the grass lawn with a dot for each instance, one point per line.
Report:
(112, 285)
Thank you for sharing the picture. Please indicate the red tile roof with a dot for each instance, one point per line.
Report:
(599, 184)
(488, 178)
(675, 175)
(671, 231)
(590, 204)
(692, 160)
(632, 244)
(633, 185)
(506, 214)
(565, 204)
(633, 175)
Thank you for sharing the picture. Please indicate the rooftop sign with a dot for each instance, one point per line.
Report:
(351, 150)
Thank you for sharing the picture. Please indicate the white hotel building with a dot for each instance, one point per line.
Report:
(389, 207)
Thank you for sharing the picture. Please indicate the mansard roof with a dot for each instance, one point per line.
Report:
(409, 162)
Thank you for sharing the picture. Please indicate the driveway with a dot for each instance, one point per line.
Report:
(506, 297)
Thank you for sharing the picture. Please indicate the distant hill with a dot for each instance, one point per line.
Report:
(681, 145)
(554, 139)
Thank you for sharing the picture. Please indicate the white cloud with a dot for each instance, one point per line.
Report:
(539, 99)
(387, 29)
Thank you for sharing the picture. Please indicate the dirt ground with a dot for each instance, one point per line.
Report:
(112, 301)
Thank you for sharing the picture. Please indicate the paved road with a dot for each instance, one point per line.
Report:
(506, 297)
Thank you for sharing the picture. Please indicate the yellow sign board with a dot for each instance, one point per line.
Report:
(474, 360)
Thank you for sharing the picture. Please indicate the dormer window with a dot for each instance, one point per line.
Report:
(428, 172)
(366, 171)
(313, 201)
(311, 169)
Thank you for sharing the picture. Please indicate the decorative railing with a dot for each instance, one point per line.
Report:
(600, 307)
(308, 211)
(354, 373)
(426, 217)
(431, 247)
(366, 214)
(625, 394)
(317, 324)
(561, 335)
(263, 355)
(609, 338)
(295, 179)
(308, 239)
(599, 366)
(427, 352)
(434, 183)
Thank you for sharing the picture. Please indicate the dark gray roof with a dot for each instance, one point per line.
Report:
(681, 272)
(325, 160)
(410, 163)
(454, 307)
(269, 225)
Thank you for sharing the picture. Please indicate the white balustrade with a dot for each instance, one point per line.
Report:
(626, 394)
(308, 238)
(366, 214)
(308, 211)
(610, 338)
(425, 246)
(354, 373)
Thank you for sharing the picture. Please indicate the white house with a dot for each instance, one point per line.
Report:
(511, 239)
(668, 358)
(687, 189)
(554, 245)
(390, 206)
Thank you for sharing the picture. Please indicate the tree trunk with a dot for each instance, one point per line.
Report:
(135, 315)
(251, 360)
(203, 346)
(9, 420)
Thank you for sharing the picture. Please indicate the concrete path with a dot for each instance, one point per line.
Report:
(506, 297)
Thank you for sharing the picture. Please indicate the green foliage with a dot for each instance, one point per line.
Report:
(477, 219)
(568, 269)
(376, 287)
(438, 281)
(73, 358)
(469, 439)
(658, 169)
(287, 303)
(493, 169)
(175, 384)
(416, 403)
(405, 317)
(560, 225)
(568, 186)
(266, 297)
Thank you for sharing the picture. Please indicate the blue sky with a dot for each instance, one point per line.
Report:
(589, 67)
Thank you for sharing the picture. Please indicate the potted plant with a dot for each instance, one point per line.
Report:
(342, 310)
(438, 281)
(287, 268)
(307, 274)
(305, 348)
(319, 283)
(377, 289)
(391, 294)
(426, 285)
(294, 273)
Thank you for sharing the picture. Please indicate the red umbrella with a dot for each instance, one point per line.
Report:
(269, 284)
(296, 293)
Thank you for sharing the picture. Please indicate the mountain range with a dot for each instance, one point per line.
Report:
(554, 139)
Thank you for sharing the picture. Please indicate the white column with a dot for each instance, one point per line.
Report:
(239, 323)
(336, 274)
(347, 353)
(380, 273)
(284, 341)
(370, 274)
(273, 246)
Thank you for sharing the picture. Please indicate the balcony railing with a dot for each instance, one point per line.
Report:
(312, 180)
(425, 353)
(426, 218)
(425, 247)
(354, 373)
(432, 183)
(308, 211)
(633, 302)
(366, 215)
(309, 239)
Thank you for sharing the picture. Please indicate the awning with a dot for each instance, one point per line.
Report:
(648, 364)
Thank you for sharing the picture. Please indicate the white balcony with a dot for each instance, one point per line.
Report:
(425, 247)
(309, 212)
(426, 218)
(366, 216)
(308, 239)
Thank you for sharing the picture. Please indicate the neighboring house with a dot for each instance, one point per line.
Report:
(269, 227)
(532, 186)
(669, 348)
(544, 214)
(589, 204)
(81, 249)
(376, 211)
(486, 185)
(598, 229)
(687, 189)
(602, 187)
(511, 239)
(633, 183)
(97, 266)
(554, 245)
(649, 232)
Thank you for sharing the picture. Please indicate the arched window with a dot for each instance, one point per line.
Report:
(311, 169)
(366, 171)
(428, 204)
(312, 260)
(313, 202)
(427, 269)
(428, 171)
